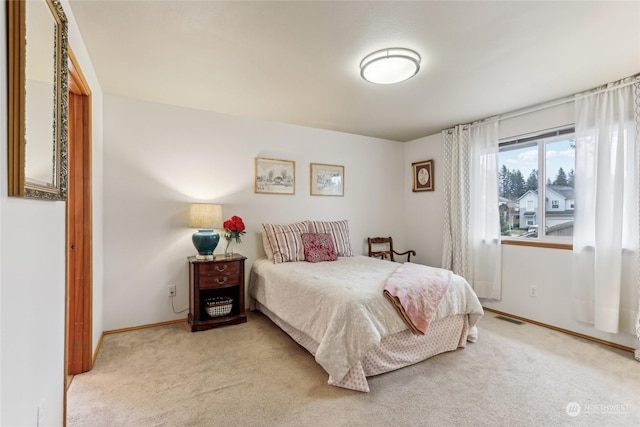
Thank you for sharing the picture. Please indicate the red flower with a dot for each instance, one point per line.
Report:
(234, 228)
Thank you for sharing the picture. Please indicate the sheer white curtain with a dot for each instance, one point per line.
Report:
(606, 241)
(472, 226)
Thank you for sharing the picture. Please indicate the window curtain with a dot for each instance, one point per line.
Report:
(606, 239)
(471, 246)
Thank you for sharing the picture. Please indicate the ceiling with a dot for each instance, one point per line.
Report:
(298, 61)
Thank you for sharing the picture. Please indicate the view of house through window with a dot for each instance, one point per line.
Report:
(537, 172)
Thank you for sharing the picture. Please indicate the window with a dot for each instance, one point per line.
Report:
(536, 181)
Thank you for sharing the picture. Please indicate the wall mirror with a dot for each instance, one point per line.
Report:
(37, 62)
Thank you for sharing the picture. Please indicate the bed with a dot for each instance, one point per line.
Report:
(337, 311)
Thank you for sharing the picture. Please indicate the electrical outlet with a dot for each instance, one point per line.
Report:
(171, 291)
(533, 292)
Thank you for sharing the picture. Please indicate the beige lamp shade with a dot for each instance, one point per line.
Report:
(205, 216)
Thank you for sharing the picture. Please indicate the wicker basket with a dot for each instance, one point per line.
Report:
(218, 306)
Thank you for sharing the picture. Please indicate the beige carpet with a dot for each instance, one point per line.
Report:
(253, 374)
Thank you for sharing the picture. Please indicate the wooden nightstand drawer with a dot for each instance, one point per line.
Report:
(217, 269)
(213, 280)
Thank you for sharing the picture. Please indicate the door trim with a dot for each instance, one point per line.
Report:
(79, 230)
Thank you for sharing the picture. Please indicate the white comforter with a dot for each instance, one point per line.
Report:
(341, 306)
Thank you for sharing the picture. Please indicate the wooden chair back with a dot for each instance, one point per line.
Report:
(382, 247)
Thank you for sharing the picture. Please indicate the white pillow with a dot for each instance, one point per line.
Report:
(286, 241)
(339, 230)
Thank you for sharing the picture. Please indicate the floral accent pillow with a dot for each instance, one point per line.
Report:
(318, 247)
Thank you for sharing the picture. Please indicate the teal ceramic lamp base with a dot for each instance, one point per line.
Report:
(205, 240)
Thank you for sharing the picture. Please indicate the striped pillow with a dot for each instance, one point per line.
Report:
(285, 241)
(266, 246)
(339, 230)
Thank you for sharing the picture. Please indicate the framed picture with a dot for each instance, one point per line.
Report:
(275, 176)
(422, 173)
(327, 180)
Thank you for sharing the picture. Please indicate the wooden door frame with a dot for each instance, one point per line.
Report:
(79, 253)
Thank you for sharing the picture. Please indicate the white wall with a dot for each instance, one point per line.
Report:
(160, 158)
(32, 279)
(549, 270)
(424, 210)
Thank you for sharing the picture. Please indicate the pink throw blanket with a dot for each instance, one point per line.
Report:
(415, 291)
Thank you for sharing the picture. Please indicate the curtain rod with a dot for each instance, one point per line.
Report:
(559, 101)
(537, 107)
(594, 91)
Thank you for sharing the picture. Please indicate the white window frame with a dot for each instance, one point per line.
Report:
(540, 140)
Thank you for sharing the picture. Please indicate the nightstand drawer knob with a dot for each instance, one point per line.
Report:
(221, 280)
(221, 267)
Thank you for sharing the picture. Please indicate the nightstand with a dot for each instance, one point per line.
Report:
(216, 280)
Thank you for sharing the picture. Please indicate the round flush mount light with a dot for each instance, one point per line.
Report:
(391, 65)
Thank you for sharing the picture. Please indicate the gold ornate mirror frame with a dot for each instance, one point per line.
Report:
(38, 100)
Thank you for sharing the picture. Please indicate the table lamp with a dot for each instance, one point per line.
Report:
(205, 217)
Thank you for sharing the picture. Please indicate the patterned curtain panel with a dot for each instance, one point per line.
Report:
(606, 242)
(472, 226)
(457, 197)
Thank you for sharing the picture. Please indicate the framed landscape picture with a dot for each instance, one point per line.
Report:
(275, 176)
(422, 173)
(327, 180)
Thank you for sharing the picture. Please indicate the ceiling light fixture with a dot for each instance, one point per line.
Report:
(391, 65)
